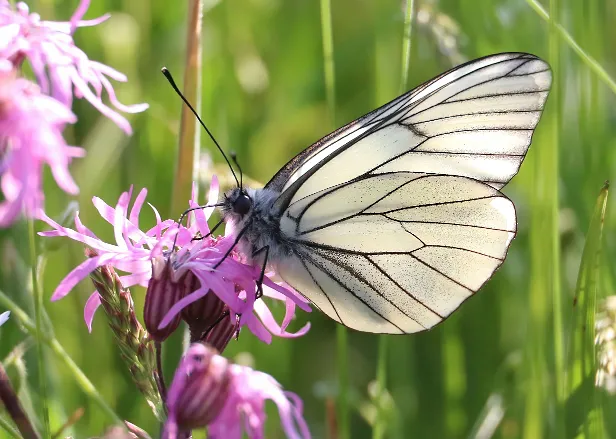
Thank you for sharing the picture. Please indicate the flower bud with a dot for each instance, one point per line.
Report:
(161, 295)
(203, 314)
(208, 391)
(222, 332)
(199, 390)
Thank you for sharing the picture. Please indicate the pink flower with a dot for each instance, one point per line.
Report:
(229, 399)
(60, 67)
(135, 251)
(31, 126)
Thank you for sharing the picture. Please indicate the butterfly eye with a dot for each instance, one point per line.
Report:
(242, 204)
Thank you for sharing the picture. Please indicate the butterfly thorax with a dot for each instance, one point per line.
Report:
(253, 214)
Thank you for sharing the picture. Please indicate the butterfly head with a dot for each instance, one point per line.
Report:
(237, 204)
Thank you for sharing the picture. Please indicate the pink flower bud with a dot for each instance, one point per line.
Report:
(163, 292)
(199, 390)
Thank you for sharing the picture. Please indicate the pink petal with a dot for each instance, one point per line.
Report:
(63, 177)
(93, 21)
(181, 304)
(96, 102)
(136, 279)
(108, 71)
(212, 197)
(79, 273)
(265, 315)
(257, 328)
(135, 108)
(158, 228)
(89, 241)
(200, 221)
(81, 228)
(108, 214)
(288, 314)
(78, 14)
(194, 189)
(136, 210)
(92, 304)
(119, 220)
(8, 32)
(297, 299)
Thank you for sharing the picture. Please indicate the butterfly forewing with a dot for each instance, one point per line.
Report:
(396, 218)
(486, 109)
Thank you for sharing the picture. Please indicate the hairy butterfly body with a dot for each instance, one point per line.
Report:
(388, 224)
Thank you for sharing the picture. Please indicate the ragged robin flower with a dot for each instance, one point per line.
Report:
(228, 399)
(33, 115)
(135, 252)
(61, 69)
(31, 126)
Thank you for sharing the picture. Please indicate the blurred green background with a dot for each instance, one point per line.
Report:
(263, 95)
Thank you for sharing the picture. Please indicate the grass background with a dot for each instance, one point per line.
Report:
(264, 96)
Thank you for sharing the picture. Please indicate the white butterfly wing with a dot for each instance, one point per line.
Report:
(476, 120)
(396, 218)
(396, 252)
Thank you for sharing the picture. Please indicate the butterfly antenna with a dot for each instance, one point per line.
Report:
(234, 158)
(167, 74)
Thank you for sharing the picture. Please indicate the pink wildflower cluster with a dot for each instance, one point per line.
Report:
(135, 251)
(228, 398)
(198, 280)
(34, 114)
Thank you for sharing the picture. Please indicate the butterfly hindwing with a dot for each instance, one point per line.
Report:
(396, 253)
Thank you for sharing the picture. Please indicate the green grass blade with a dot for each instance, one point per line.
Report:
(503, 395)
(588, 60)
(328, 59)
(343, 421)
(579, 387)
(380, 426)
(553, 146)
(8, 428)
(37, 296)
(406, 45)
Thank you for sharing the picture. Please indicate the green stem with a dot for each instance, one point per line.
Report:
(406, 45)
(4, 424)
(381, 370)
(328, 58)
(344, 427)
(586, 58)
(553, 173)
(380, 425)
(38, 316)
(52, 343)
(341, 331)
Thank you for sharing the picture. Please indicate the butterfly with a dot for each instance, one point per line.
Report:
(389, 223)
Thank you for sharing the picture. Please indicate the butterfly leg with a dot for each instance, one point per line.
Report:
(216, 226)
(228, 252)
(262, 275)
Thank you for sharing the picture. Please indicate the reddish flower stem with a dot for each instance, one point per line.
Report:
(160, 381)
(14, 408)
